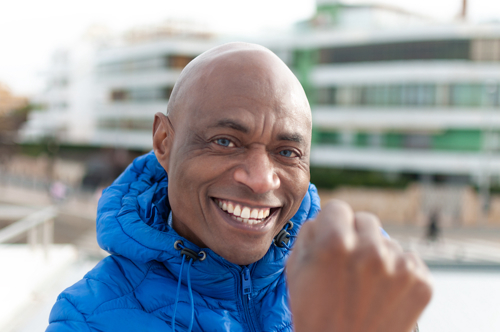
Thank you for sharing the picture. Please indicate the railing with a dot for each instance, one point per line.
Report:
(40, 221)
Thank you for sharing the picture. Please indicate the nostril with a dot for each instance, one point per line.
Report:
(259, 180)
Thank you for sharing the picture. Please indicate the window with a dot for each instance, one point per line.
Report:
(467, 95)
(142, 94)
(419, 50)
(326, 96)
(179, 61)
(119, 95)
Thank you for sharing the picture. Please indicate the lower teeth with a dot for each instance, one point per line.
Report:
(247, 221)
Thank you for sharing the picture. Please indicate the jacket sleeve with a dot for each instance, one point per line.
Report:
(110, 280)
(64, 317)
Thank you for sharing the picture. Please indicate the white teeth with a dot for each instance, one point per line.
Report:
(245, 213)
(237, 210)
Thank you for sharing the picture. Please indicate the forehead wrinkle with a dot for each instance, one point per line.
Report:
(229, 123)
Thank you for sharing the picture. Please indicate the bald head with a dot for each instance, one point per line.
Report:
(235, 69)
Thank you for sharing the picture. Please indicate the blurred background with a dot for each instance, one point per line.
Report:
(405, 100)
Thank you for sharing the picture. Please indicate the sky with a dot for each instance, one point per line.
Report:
(31, 30)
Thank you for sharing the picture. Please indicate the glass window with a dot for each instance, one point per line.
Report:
(326, 96)
(466, 95)
(419, 50)
(142, 94)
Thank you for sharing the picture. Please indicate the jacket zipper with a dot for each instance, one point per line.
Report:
(246, 293)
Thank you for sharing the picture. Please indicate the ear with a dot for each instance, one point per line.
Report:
(162, 139)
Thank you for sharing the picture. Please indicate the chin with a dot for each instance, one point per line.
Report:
(243, 258)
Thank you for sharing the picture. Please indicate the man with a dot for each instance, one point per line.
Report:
(205, 249)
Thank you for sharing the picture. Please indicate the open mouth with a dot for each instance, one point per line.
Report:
(245, 214)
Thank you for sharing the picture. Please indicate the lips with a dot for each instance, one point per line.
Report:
(242, 213)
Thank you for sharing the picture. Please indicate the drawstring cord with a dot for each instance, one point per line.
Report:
(177, 294)
(190, 297)
(285, 244)
(283, 238)
(192, 256)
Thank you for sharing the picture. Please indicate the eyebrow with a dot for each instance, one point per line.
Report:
(227, 123)
(291, 137)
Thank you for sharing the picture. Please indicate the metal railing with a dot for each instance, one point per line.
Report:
(39, 222)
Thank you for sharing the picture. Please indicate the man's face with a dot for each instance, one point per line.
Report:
(239, 165)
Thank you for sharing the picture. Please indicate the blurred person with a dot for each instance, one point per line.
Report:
(433, 229)
(58, 192)
(205, 248)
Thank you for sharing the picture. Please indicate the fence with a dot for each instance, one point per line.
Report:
(40, 221)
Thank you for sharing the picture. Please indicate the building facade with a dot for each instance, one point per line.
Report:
(418, 99)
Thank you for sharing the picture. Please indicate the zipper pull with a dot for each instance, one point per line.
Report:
(246, 282)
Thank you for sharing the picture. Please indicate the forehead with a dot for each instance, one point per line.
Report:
(253, 95)
(264, 113)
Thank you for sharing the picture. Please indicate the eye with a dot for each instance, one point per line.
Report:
(224, 142)
(287, 153)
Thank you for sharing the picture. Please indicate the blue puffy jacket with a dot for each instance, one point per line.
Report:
(136, 287)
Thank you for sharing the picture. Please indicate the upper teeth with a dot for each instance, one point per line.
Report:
(244, 213)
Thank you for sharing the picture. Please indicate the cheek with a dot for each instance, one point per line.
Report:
(295, 186)
(192, 173)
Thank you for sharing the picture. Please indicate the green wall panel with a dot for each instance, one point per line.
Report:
(461, 140)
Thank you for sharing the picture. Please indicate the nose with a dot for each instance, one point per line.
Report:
(257, 172)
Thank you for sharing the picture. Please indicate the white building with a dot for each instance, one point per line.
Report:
(421, 98)
(67, 104)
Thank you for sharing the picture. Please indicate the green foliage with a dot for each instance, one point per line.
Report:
(330, 178)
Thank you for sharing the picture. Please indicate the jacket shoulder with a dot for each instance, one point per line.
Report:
(112, 278)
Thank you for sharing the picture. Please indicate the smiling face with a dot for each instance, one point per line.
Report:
(236, 148)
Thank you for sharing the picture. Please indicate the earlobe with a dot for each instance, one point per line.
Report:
(162, 137)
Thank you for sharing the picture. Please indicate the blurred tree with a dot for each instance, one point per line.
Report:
(13, 113)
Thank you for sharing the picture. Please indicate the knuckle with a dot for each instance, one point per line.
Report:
(393, 245)
(337, 244)
(368, 217)
(404, 274)
(336, 206)
(371, 258)
(410, 269)
(421, 290)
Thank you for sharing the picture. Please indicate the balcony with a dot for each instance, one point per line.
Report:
(405, 118)
(433, 162)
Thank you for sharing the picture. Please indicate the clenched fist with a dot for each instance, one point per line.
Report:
(345, 276)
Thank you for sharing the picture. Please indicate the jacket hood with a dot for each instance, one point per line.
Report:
(132, 221)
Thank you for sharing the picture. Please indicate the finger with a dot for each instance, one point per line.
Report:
(421, 270)
(393, 245)
(367, 225)
(335, 224)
